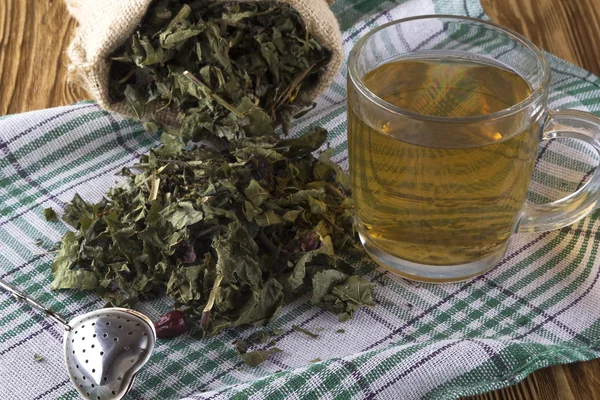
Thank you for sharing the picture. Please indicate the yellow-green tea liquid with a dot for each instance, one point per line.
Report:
(437, 204)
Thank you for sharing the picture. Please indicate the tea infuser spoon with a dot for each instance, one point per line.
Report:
(104, 349)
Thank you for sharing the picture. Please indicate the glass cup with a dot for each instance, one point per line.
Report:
(445, 115)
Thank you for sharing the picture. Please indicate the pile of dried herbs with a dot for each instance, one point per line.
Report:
(247, 64)
(234, 227)
(229, 234)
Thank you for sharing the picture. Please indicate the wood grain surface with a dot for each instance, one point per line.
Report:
(34, 35)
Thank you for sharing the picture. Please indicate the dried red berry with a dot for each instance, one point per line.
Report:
(171, 324)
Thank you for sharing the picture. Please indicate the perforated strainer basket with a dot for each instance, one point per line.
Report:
(104, 349)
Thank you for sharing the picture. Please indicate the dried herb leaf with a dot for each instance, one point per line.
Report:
(340, 293)
(257, 357)
(65, 269)
(306, 143)
(75, 210)
(50, 214)
(134, 101)
(306, 332)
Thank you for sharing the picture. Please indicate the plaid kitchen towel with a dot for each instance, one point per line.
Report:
(540, 306)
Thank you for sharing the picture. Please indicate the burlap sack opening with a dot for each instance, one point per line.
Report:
(105, 25)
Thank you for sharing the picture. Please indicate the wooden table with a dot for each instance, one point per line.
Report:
(34, 35)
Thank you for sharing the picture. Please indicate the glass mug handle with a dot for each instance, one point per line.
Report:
(568, 210)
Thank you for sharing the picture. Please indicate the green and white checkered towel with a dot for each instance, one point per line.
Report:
(540, 306)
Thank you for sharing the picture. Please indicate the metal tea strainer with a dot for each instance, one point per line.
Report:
(104, 349)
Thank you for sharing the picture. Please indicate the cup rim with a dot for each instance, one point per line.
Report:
(515, 108)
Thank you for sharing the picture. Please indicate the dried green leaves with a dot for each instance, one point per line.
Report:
(248, 64)
(49, 214)
(230, 235)
(256, 357)
(340, 293)
(305, 331)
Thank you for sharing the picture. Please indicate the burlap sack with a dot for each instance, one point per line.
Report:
(106, 24)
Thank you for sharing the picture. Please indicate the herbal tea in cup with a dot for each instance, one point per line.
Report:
(444, 120)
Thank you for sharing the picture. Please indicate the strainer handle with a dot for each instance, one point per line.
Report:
(33, 303)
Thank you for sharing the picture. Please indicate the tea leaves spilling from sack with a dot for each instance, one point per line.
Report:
(249, 64)
(230, 235)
